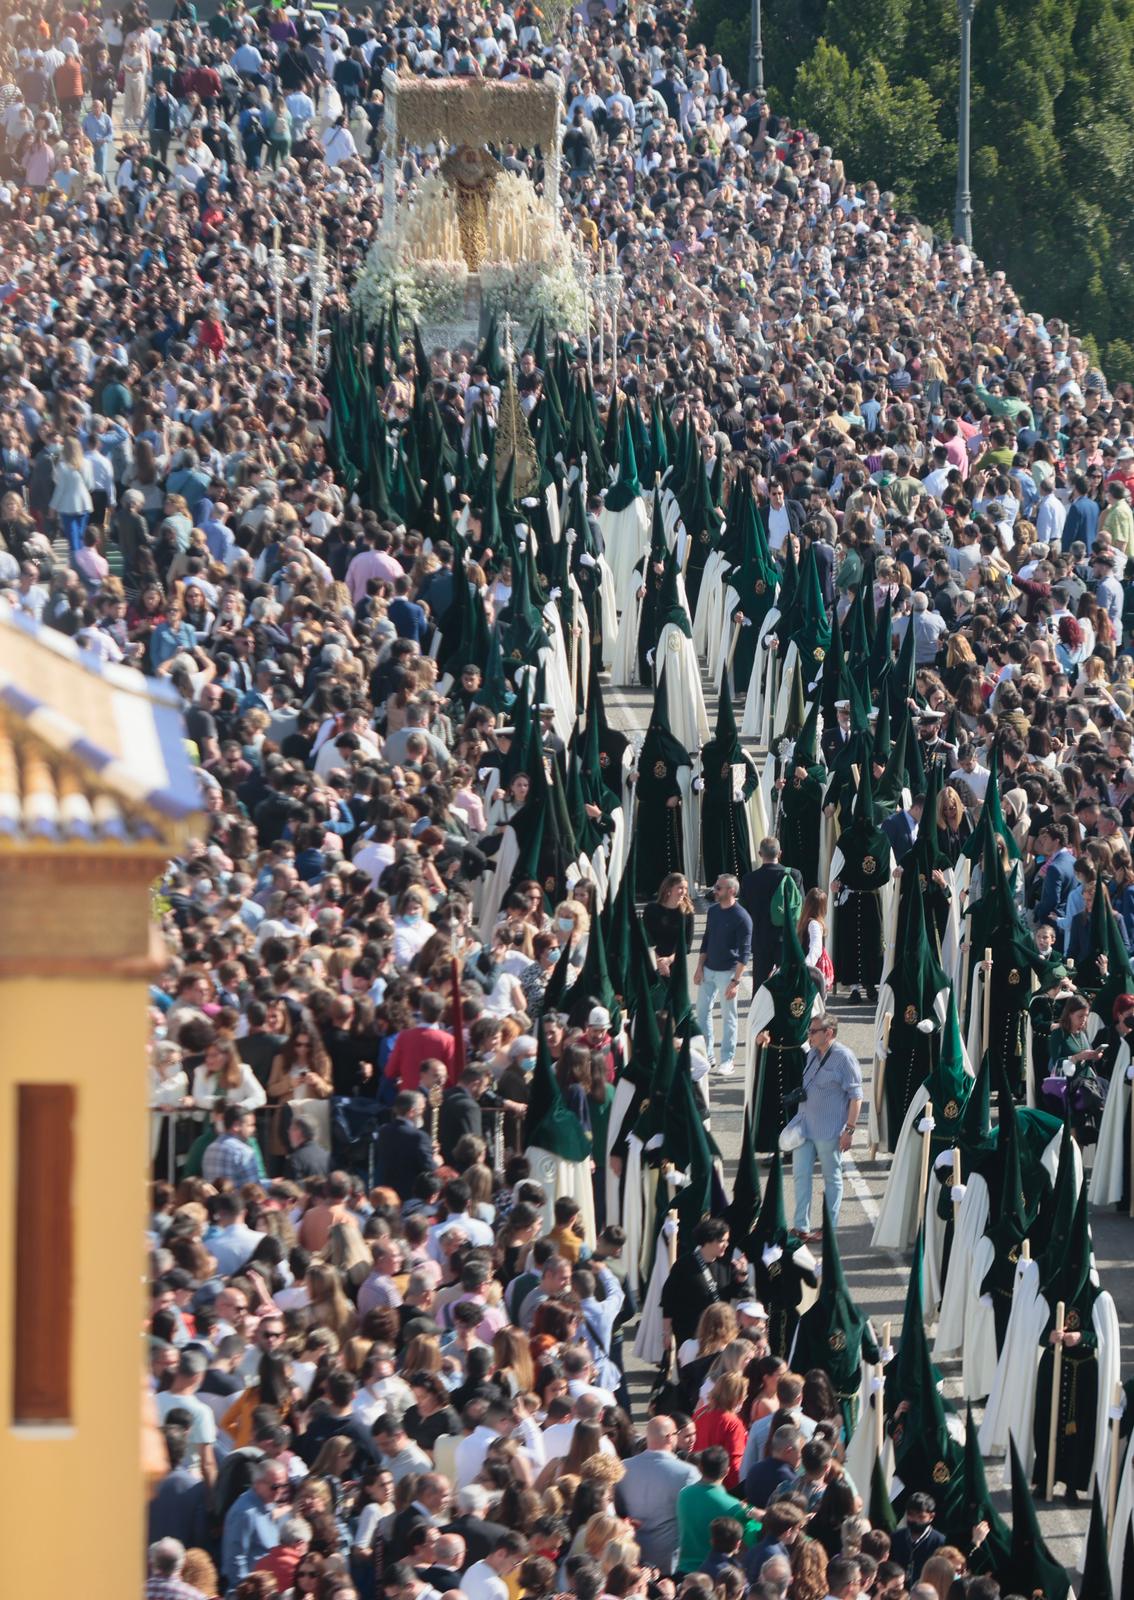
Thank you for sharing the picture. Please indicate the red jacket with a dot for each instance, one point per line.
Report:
(210, 336)
(724, 1428)
(414, 1046)
(281, 1563)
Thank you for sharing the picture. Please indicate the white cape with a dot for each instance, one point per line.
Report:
(559, 1178)
(1114, 1135)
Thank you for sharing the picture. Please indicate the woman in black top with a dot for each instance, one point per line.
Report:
(663, 918)
(431, 1416)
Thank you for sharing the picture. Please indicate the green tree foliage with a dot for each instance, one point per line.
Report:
(1052, 129)
(879, 128)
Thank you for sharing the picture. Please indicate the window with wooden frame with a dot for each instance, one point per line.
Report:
(44, 1253)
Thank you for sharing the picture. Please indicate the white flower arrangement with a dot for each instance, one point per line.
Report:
(526, 288)
(428, 291)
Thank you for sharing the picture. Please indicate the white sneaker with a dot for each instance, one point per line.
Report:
(726, 1067)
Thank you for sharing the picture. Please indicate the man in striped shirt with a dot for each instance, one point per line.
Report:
(832, 1097)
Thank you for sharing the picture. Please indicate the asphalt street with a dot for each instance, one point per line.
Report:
(879, 1278)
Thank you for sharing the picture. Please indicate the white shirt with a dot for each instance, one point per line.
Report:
(480, 1582)
(1050, 519)
(387, 1394)
(779, 526)
(373, 859)
(470, 1454)
(479, 1234)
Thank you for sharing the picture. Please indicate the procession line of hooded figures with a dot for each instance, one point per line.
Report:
(656, 584)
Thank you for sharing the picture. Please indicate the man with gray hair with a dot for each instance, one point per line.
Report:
(726, 948)
(832, 1099)
(775, 1575)
(295, 1541)
(928, 626)
(167, 1557)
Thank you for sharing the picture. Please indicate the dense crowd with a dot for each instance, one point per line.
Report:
(385, 1357)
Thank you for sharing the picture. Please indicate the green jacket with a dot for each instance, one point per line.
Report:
(1003, 405)
(697, 1505)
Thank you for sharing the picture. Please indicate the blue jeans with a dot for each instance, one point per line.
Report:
(73, 525)
(802, 1170)
(713, 986)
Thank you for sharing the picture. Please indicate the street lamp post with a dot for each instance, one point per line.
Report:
(756, 50)
(963, 217)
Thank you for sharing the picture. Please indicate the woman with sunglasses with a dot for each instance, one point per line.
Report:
(308, 1577)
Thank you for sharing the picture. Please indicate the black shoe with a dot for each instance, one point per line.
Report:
(1071, 1497)
(872, 995)
(855, 997)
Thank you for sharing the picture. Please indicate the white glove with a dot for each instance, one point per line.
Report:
(747, 623)
(770, 1254)
(555, 594)
(1130, 1073)
(486, 772)
(586, 560)
(669, 1228)
(945, 1159)
(650, 657)
(957, 1193)
(450, 482)
(676, 1179)
(926, 1025)
(877, 1384)
(926, 1125)
(986, 1301)
(698, 785)
(886, 1354)
(1116, 1413)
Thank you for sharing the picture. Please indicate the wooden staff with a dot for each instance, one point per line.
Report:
(1115, 1447)
(956, 1181)
(879, 1408)
(1056, 1378)
(736, 627)
(927, 1140)
(880, 1076)
(986, 998)
(1026, 1250)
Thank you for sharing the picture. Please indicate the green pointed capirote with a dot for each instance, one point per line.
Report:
(549, 1123)
(1031, 1568)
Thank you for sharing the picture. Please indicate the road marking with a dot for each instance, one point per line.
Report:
(860, 1190)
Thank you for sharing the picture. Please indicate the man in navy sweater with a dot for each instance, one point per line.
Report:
(725, 952)
(1057, 873)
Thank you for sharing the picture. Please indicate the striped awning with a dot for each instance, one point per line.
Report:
(89, 751)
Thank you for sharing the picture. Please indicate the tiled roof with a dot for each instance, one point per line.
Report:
(89, 752)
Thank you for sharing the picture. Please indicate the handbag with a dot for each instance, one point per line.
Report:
(792, 1135)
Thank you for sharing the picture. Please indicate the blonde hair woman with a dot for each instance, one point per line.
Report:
(329, 1306)
(223, 1076)
(573, 927)
(513, 1361)
(347, 1251)
(716, 1329)
(720, 1422)
(71, 498)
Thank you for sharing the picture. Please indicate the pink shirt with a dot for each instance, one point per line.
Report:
(371, 564)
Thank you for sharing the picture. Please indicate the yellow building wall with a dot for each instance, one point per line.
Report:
(74, 1499)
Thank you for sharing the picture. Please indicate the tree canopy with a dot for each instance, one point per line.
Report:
(1052, 136)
